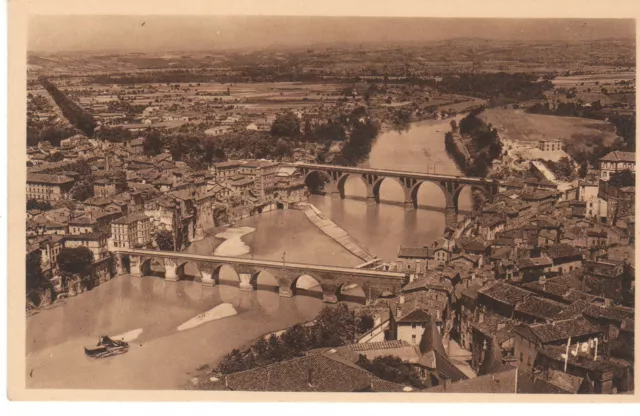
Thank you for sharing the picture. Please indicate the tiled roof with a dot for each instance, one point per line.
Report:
(561, 330)
(416, 315)
(619, 156)
(562, 250)
(427, 282)
(313, 373)
(401, 349)
(131, 218)
(609, 313)
(572, 311)
(539, 307)
(471, 244)
(496, 327)
(556, 352)
(414, 252)
(84, 220)
(48, 179)
(502, 382)
(368, 346)
(524, 263)
(97, 200)
(504, 293)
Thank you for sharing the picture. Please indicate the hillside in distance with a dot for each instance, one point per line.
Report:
(445, 55)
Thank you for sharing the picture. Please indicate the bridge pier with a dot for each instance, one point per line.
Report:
(206, 271)
(329, 294)
(371, 195)
(409, 203)
(135, 263)
(285, 291)
(207, 278)
(170, 273)
(245, 282)
(119, 266)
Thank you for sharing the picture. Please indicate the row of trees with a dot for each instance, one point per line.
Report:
(482, 143)
(334, 326)
(76, 115)
(499, 87)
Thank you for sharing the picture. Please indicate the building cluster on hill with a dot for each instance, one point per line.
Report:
(531, 293)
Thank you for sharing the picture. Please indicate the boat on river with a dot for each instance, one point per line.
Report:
(106, 347)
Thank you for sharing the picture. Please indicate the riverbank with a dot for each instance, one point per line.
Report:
(334, 231)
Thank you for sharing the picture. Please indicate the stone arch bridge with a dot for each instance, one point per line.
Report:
(451, 186)
(331, 278)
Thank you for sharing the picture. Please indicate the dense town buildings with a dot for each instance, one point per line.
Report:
(530, 285)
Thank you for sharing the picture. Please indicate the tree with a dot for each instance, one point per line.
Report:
(35, 204)
(113, 134)
(365, 322)
(153, 143)
(335, 326)
(76, 260)
(120, 179)
(35, 278)
(286, 125)
(81, 190)
(295, 341)
(584, 169)
(232, 363)
(83, 168)
(622, 179)
(275, 350)
(164, 240)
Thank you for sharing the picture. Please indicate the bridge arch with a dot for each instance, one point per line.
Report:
(377, 184)
(188, 270)
(225, 274)
(322, 179)
(351, 292)
(448, 198)
(304, 285)
(484, 190)
(342, 180)
(264, 280)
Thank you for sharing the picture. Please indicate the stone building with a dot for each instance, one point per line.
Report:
(133, 230)
(49, 188)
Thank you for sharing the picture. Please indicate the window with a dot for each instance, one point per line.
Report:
(529, 361)
(413, 325)
(413, 339)
(521, 357)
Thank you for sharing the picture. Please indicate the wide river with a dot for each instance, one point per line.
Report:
(149, 311)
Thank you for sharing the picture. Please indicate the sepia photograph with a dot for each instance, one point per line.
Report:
(328, 204)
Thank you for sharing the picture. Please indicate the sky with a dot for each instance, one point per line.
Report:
(182, 33)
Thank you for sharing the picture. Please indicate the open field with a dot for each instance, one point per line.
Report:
(524, 127)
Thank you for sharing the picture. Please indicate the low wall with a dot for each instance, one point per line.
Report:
(334, 231)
